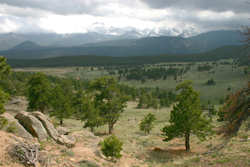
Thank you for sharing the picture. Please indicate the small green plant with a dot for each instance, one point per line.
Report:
(147, 124)
(3, 99)
(111, 147)
(86, 163)
(3, 122)
(195, 160)
(12, 127)
(222, 161)
(42, 145)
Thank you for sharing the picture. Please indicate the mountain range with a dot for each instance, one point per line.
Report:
(10, 40)
(115, 46)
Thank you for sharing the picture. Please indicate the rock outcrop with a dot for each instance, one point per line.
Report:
(20, 130)
(64, 139)
(32, 125)
(52, 132)
(62, 130)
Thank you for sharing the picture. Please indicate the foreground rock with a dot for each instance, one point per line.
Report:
(64, 139)
(52, 132)
(32, 125)
(62, 130)
(19, 131)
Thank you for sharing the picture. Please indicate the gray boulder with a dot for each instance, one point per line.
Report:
(32, 125)
(63, 139)
(62, 130)
(46, 124)
(66, 140)
(20, 130)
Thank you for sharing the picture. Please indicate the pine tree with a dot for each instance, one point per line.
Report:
(108, 100)
(235, 111)
(38, 92)
(61, 104)
(147, 123)
(111, 147)
(88, 112)
(4, 68)
(186, 117)
(4, 71)
(3, 98)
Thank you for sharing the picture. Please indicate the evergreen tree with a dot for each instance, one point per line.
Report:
(235, 111)
(38, 92)
(4, 72)
(3, 98)
(147, 123)
(4, 68)
(111, 147)
(89, 113)
(61, 103)
(186, 117)
(108, 100)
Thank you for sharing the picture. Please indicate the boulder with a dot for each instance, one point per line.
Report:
(20, 131)
(47, 124)
(62, 130)
(66, 140)
(32, 125)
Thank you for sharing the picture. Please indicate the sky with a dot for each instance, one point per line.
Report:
(159, 17)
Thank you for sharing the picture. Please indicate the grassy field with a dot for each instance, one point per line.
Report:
(149, 150)
(152, 151)
(223, 74)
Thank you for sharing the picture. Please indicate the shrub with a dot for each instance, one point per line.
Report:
(111, 147)
(3, 99)
(11, 128)
(146, 124)
(211, 82)
(3, 122)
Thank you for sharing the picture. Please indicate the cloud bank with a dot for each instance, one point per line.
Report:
(147, 17)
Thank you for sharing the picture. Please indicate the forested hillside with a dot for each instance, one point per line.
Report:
(235, 52)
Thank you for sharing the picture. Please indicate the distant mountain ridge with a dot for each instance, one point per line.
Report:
(90, 60)
(149, 46)
(10, 40)
(27, 45)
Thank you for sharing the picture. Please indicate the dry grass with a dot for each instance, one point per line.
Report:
(152, 151)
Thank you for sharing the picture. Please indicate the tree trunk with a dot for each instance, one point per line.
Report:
(61, 122)
(111, 127)
(42, 110)
(187, 144)
(92, 129)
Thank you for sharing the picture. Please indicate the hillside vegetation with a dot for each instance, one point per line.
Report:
(234, 52)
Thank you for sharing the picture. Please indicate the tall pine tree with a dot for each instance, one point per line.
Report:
(186, 117)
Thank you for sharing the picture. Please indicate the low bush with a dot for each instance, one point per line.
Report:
(111, 147)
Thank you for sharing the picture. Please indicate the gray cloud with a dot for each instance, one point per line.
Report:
(238, 6)
(186, 15)
(66, 7)
(21, 12)
(57, 6)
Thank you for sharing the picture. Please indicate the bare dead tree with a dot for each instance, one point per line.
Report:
(26, 153)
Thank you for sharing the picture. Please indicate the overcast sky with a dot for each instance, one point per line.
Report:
(116, 16)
